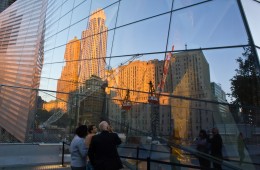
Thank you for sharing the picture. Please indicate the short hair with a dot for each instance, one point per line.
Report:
(204, 133)
(82, 131)
(90, 128)
(103, 125)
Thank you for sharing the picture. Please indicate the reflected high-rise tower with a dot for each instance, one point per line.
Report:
(68, 81)
(93, 47)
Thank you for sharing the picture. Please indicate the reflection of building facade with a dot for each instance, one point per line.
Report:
(5, 3)
(220, 96)
(68, 81)
(136, 76)
(190, 72)
(21, 34)
(93, 103)
(93, 47)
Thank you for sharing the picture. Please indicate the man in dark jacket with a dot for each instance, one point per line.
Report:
(102, 152)
(216, 147)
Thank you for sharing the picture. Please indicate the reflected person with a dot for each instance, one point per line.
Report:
(103, 153)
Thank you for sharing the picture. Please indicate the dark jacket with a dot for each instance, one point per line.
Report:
(216, 145)
(103, 153)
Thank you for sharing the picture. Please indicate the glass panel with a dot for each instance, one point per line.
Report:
(191, 29)
(79, 2)
(181, 4)
(66, 7)
(61, 39)
(100, 4)
(50, 43)
(77, 29)
(109, 14)
(135, 10)
(58, 54)
(81, 12)
(142, 37)
(64, 22)
(252, 11)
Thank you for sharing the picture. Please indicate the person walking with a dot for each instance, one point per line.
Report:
(202, 146)
(102, 152)
(92, 130)
(216, 147)
(241, 147)
(78, 149)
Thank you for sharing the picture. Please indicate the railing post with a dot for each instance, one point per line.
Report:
(62, 158)
(148, 163)
(137, 156)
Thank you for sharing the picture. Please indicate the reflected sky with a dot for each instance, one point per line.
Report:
(252, 11)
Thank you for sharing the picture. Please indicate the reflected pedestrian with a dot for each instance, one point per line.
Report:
(78, 149)
(203, 146)
(216, 147)
(241, 147)
(92, 130)
(103, 153)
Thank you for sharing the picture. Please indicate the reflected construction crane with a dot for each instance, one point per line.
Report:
(153, 97)
(126, 104)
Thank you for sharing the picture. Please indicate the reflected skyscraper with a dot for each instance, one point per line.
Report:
(93, 47)
(68, 81)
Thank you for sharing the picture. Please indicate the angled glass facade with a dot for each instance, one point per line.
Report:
(199, 60)
(21, 59)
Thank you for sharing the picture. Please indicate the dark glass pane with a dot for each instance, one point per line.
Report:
(135, 10)
(191, 28)
(252, 11)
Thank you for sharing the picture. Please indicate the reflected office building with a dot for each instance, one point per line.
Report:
(190, 72)
(21, 59)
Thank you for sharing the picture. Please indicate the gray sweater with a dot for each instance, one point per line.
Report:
(78, 151)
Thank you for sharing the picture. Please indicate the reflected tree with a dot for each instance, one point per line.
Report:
(245, 85)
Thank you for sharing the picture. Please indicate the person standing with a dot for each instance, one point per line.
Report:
(216, 147)
(92, 130)
(78, 149)
(202, 146)
(102, 152)
(241, 147)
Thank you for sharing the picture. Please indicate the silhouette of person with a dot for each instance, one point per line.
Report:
(202, 146)
(216, 147)
(78, 149)
(102, 152)
(241, 147)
